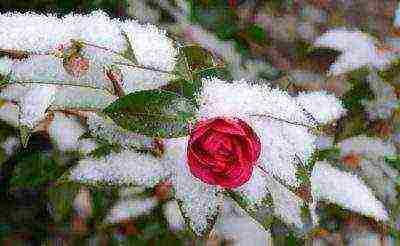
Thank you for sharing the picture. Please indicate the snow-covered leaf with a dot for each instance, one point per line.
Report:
(358, 49)
(125, 168)
(242, 230)
(48, 69)
(41, 33)
(151, 46)
(366, 146)
(173, 216)
(284, 147)
(385, 100)
(347, 190)
(199, 202)
(105, 128)
(253, 194)
(287, 206)
(9, 145)
(136, 79)
(81, 98)
(130, 209)
(65, 131)
(238, 99)
(9, 113)
(322, 106)
(34, 104)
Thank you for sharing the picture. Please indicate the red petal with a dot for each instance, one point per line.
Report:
(229, 126)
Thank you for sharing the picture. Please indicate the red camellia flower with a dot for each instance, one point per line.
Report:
(223, 151)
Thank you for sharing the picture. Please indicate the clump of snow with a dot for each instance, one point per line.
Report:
(127, 167)
(10, 144)
(35, 103)
(9, 113)
(322, 106)
(358, 49)
(366, 146)
(238, 99)
(83, 203)
(130, 209)
(65, 131)
(173, 215)
(86, 145)
(332, 185)
(150, 44)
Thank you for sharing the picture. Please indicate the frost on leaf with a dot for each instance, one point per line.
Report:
(253, 194)
(65, 131)
(199, 202)
(103, 127)
(358, 49)
(287, 206)
(347, 190)
(125, 168)
(34, 104)
(135, 79)
(130, 209)
(49, 70)
(81, 98)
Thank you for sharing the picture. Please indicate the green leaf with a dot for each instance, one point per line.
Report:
(393, 161)
(35, 170)
(155, 113)
(61, 199)
(129, 53)
(191, 59)
(25, 134)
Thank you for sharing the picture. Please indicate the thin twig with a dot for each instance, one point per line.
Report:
(59, 84)
(144, 67)
(286, 121)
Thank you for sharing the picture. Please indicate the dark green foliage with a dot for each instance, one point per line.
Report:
(35, 170)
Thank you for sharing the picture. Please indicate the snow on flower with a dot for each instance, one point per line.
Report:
(358, 49)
